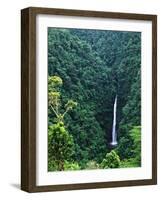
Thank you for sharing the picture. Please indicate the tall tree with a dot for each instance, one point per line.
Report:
(60, 142)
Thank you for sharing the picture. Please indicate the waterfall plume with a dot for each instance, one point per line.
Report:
(114, 133)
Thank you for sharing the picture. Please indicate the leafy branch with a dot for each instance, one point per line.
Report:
(55, 83)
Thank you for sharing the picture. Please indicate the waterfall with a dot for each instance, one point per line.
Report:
(114, 133)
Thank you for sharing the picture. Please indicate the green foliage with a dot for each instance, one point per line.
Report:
(124, 147)
(95, 66)
(52, 165)
(54, 98)
(70, 104)
(111, 160)
(92, 165)
(134, 149)
(60, 146)
(135, 134)
(54, 82)
(71, 166)
(129, 163)
(60, 142)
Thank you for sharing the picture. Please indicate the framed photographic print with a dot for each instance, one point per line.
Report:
(89, 99)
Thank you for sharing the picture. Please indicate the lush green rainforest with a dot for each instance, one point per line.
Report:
(91, 67)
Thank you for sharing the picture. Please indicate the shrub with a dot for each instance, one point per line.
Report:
(71, 166)
(92, 165)
(111, 160)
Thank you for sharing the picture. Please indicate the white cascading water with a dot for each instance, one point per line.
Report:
(114, 133)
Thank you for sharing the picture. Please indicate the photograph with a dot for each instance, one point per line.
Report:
(89, 99)
(94, 99)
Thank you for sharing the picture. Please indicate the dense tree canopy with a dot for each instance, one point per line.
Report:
(94, 66)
